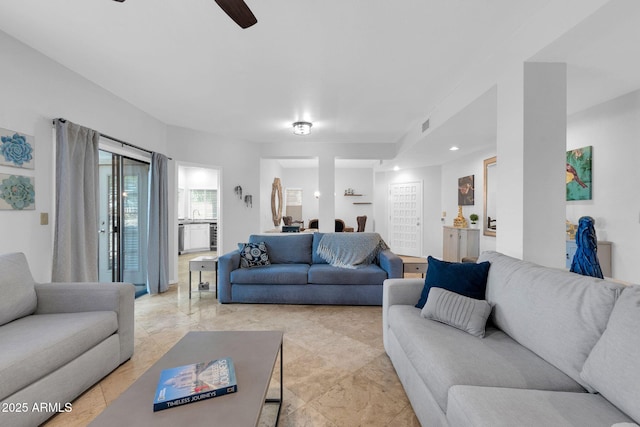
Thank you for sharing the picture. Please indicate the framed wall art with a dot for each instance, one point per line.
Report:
(16, 149)
(466, 191)
(17, 192)
(579, 179)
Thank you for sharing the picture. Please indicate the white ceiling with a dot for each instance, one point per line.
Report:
(339, 163)
(602, 54)
(472, 129)
(360, 70)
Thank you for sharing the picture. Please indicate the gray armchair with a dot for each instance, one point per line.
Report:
(58, 339)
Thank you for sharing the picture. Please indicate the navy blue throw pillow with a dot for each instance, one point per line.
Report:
(466, 278)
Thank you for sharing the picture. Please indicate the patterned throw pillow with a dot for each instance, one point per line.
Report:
(253, 254)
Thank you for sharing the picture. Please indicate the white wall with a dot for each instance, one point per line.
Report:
(361, 181)
(613, 129)
(201, 178)
(36, 90)
(239, 164)
(440, 188)
(326, 153)
(472, 164)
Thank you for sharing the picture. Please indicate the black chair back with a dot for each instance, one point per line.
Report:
(362, 221)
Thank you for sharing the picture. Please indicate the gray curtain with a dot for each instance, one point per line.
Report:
(75, 244)
(158, 254)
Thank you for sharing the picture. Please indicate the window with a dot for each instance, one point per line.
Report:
(203, 204)
(293, 199)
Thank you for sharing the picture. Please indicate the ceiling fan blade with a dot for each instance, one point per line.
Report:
(238, 11)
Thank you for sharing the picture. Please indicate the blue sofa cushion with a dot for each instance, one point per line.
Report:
(326, 274)
(274, 274)
(286, 248)
(464, 278)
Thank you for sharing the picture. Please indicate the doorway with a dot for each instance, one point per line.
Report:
(198, 210)
(123, 218)
(405, 218)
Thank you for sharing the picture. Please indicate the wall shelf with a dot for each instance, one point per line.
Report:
(361, 203)
(352, 195)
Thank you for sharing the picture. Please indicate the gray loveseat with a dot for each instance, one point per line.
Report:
(56, 340)
(298, 275)
(560, 350)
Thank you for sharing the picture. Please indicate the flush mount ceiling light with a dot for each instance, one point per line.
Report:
(302, 128)
(454, 148)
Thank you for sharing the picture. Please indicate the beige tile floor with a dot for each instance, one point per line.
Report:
(336, 372)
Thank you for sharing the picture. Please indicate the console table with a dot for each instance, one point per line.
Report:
(604, 255)
(460, 243)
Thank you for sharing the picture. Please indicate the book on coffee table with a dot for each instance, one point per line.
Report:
(192, 383)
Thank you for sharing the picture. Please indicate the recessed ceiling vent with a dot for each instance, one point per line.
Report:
(425, 126)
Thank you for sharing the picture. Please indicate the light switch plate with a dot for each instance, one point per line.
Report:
(44, 218)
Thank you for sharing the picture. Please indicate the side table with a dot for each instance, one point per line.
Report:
(200, 264)
(414, 265)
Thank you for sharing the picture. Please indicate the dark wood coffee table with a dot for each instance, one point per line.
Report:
(254, 356)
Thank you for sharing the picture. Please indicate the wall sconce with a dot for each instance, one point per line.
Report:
(316, 194)
(302, 128)
(238, 191)
(248, 201)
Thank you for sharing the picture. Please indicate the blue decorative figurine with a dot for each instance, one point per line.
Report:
(585, 261)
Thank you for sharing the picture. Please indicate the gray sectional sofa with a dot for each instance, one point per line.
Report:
(56, 340)
(560, 349)
(297, 274)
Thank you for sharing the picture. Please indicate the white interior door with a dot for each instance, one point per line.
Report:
(405, 218)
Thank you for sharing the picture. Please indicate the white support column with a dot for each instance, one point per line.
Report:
(509, 200)
(545, 146)
(326, 185)
(532, 120)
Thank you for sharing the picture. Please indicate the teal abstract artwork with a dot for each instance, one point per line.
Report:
(579, 178)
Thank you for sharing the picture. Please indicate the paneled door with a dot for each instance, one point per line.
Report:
(405, 218)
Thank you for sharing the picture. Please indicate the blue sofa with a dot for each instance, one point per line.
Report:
(298, 275)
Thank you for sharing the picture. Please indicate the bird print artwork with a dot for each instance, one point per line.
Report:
(572, 175)
(578, 173)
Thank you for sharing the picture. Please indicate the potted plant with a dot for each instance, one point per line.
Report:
(474, 218)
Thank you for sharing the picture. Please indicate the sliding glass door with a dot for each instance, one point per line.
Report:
(124, 189)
